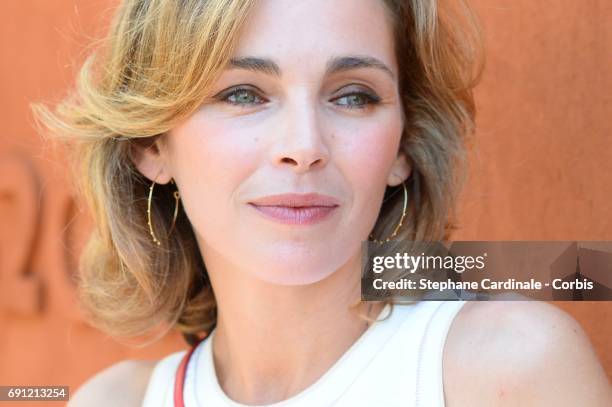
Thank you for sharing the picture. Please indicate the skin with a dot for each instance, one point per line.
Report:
(521, 353)
(306, 130)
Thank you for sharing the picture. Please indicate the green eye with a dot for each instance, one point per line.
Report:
(358, 100)
(241, 97)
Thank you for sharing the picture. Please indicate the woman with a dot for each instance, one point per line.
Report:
(235, 154)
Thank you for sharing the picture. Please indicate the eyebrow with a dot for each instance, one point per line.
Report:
(334, 65)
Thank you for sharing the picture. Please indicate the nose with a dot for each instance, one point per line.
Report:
(301, 146)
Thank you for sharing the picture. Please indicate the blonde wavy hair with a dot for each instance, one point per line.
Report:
(153, 69)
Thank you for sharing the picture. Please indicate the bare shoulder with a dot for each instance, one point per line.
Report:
(122, 384)
(527, 353)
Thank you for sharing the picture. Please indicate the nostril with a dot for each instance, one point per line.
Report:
(288, 160)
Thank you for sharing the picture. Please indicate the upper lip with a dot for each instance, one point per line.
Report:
(296, 200)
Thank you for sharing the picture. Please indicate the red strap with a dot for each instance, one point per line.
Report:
(179, 381)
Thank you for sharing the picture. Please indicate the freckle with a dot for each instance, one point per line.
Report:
(501, 393)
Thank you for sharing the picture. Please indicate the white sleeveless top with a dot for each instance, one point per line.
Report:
(395, 362)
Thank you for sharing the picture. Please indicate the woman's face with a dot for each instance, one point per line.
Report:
(309, 105)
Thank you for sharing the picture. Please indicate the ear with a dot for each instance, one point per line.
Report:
(400, 170)
(147, 156)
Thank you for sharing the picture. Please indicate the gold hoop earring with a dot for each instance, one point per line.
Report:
(176, 198)
(401, 221)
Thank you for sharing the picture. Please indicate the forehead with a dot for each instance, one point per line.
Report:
(293, 32)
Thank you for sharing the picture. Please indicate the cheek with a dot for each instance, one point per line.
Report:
(211, 159)
(368, 151)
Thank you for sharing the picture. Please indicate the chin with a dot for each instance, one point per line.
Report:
(295, 270)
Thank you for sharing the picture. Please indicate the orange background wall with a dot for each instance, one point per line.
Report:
(541, 168)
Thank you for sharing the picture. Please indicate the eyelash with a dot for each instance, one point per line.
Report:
(370, 99)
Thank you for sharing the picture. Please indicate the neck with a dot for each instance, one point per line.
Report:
(273, 341)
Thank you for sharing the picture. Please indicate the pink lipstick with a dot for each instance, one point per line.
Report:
(296, 209)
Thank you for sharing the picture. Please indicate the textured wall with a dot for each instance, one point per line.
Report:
(540, 169)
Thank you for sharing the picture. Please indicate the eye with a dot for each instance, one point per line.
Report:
(241, 97)
(357, 100)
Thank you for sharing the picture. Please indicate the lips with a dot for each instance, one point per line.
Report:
(296, 200)
(296, 209)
